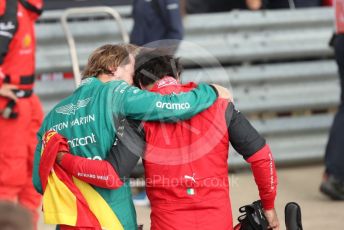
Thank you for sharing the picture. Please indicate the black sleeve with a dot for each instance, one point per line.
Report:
(244, 138)
(128, 147)
(8, 27)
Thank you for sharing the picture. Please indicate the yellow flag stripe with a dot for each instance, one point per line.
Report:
(59, 203)
(100, 208)
(60, 207)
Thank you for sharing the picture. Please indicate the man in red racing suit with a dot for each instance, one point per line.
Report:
(186, 162)
(20, 110)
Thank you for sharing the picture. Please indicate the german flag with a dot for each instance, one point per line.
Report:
(68, 201)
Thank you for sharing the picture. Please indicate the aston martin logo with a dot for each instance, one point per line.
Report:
(71, 108)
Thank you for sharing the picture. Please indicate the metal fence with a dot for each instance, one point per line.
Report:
(278, 63)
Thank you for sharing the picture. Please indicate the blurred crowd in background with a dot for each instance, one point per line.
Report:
(200, 6)
(204, 6)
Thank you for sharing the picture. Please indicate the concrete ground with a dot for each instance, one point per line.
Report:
(298, 184)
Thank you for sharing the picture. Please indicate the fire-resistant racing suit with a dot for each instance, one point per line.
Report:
(19, 121)
(87, 119)
(185, 163)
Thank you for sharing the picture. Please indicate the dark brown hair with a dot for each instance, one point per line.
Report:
(154, 64)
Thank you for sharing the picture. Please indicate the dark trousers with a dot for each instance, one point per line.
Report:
(334, 157)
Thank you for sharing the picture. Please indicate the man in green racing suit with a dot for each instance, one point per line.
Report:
(88, 117)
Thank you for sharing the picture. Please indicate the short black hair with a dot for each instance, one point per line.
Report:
(154, 64)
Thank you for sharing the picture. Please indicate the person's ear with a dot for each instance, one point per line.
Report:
(141, 86)
(113, 71)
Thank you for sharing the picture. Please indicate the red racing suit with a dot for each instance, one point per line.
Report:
(22, 119)
(185, 163)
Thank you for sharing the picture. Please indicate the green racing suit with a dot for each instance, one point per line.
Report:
(88, 119)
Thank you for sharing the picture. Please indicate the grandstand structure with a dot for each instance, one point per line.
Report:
(278, 64)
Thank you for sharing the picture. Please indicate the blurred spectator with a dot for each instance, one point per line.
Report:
(20, 110)
(198, 6)
(333, 182)
(254, 4)
(278, 4)
(157, 21)
(206, 6)
(14, 217)
(327, 2)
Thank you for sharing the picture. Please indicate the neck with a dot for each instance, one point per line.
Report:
(105, 78)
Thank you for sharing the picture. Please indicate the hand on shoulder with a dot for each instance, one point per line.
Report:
(223, 92)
